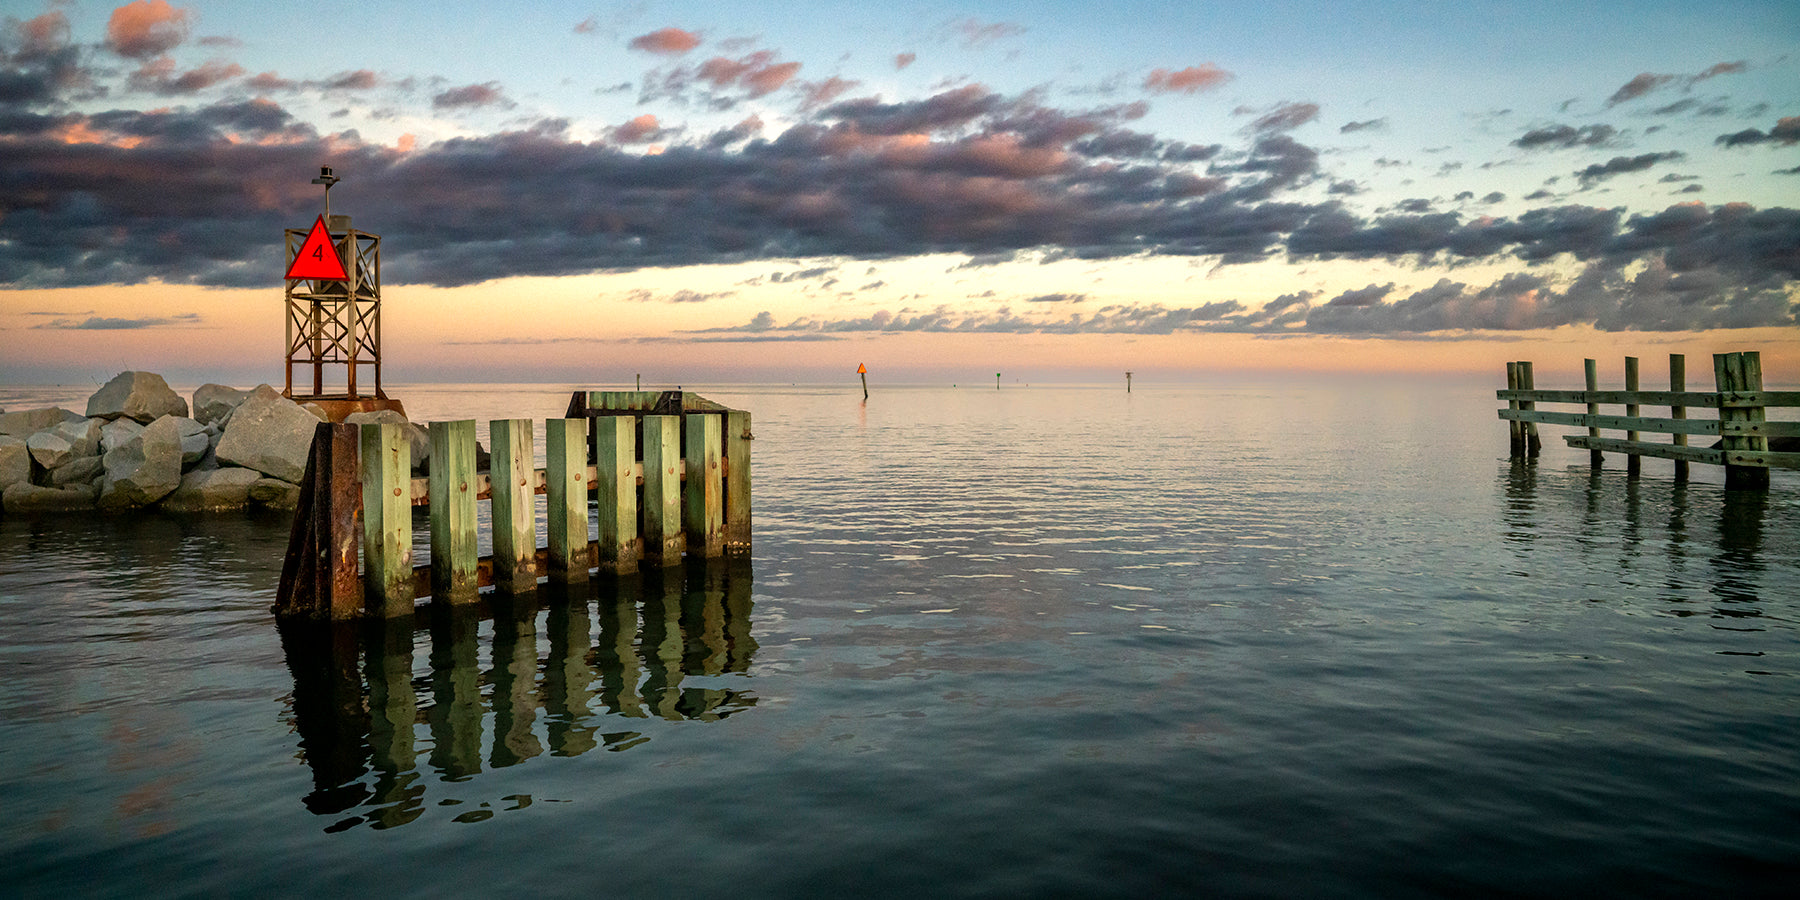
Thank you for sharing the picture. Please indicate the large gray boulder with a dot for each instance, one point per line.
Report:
(194, 440)
(143, 396)
(30, 498)
(78, 471)
(269, 433)
(214, 402)
(227, 488)
(59, 444)
(146, 469)
(118, 433)
(27, 422)
(275, 493)
(15, 462)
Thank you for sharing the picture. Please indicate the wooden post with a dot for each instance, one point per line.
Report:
(662, 490)
(565, 498)
(1533, 445)
(1515, 430)
(615, 492)
(452, 495)
(513, 509)
(1739, 373)
(318, 575)
(703, 508)
(387, 521)
(1678, 384)
(1634, 464)
(737, 482)
(1593, 384)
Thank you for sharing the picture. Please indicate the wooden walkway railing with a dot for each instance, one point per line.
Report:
(668, 474)
(1741, 423)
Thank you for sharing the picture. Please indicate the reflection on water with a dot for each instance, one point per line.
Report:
(1648, 534)
(506, 681)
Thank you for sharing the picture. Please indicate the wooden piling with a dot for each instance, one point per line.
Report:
(1593, 384)
(1515, 429)
(565, 498)
(1634, 464)
(663, 541)
(615, 493)
(1533, 444)
(387, 521)
(318, 575)
(1677, 385)
(1740, 374)
(513, 510)
(452, 494)
(737, 482)
(703, 495)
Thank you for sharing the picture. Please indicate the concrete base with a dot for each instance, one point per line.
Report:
(336, 408)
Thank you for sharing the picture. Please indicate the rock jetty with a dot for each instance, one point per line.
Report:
(136, 446)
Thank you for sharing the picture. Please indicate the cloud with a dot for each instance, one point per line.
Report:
(1786, 133)
(107, 323)
(1057, 298)
(1380, 124)
(1620, 165)
(975, 34)
(665, 41)
(815, 94)
(902, 60)
(471, 96)
(1191, 80)
(1648, 82)
(1564, 137)
(1283, 117)
(642, 130)
(644, 295)
(159, 76)
(144, 29)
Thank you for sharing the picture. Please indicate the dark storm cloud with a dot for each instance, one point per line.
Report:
(202, 194)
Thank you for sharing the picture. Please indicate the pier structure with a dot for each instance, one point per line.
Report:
(1741, 424)
(666, 475)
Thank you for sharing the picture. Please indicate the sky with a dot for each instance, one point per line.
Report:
(1062, 191)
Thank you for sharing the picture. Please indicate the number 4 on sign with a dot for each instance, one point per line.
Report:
(318, 259)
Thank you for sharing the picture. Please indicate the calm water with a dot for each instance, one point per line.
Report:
(1259, 639)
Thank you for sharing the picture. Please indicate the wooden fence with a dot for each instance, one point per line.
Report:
(668, 473)
(1741, 423)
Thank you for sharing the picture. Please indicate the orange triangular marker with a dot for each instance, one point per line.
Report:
(318, 259)
(862, 369)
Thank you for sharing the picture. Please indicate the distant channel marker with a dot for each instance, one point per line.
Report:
(862, 372)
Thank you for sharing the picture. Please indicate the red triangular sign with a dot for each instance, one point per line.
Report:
(318, 258)
(861, 369)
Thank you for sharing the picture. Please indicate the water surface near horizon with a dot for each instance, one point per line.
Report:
(1249, 639)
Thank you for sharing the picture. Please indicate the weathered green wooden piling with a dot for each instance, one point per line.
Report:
(1740, 427)
(703, 493)
(615, 493)
(454, 557)
(513, 511)
(1634, 464)
(1677, 385)
(387, 521)
(663, 541)
(565, 498)
(737, 482)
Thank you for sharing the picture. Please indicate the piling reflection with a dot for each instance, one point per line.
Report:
(564, 673)
(1652, 534)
